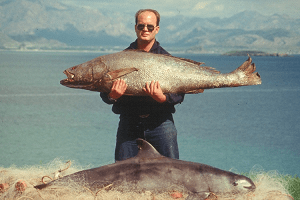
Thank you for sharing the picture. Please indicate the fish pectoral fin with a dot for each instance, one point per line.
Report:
(119, 73)
(195, 91)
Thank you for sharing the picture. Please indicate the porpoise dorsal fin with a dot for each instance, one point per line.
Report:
(146, 150)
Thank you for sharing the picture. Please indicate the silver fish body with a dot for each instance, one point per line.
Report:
(175, 75)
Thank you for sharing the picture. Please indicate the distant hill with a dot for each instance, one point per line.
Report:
(43, 24)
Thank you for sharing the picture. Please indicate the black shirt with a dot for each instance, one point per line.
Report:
(156, 48)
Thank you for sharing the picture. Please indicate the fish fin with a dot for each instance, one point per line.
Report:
(109, 76)
(188, 60)
(246, 65)
(248, 68)
(195, 91)
(146, 150)
(185, 59)
(211, 69)
(197, 63)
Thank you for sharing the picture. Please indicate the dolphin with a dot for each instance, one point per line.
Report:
(150, 171)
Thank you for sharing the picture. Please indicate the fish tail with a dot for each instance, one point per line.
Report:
(248, 68)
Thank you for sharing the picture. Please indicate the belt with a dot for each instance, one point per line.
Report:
(144, 116)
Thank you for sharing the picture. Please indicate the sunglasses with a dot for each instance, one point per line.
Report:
(142, 26)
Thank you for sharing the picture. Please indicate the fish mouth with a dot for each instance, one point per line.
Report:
(69, 80)
(70, 76)
(72, 83)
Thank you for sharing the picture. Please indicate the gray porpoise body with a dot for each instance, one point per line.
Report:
(150, 171)
(175, 75)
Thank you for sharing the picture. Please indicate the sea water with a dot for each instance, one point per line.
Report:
(228, 128)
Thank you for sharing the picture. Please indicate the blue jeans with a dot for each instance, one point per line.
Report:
(158, 129)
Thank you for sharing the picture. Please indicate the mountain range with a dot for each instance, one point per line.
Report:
(51, 25)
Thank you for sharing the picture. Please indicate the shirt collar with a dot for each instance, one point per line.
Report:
(155, 45)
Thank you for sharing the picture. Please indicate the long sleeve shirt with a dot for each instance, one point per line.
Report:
(141, 105)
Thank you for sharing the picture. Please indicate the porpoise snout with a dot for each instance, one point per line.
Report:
(247, 184)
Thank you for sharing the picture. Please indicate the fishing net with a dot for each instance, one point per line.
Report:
(18, 183)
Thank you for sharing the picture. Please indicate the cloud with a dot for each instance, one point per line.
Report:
(209, 8)
(201, 5)
(219, 7)
(171, 27)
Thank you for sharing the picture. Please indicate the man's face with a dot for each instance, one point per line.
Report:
(146, 18)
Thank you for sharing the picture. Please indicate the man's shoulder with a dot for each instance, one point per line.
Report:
(133, 45)
(163, 51)
(156, 48)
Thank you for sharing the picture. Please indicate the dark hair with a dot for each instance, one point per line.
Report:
(150, 10)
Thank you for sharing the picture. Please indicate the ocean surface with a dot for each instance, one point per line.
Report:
(241, 129)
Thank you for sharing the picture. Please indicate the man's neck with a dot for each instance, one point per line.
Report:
(145, 45)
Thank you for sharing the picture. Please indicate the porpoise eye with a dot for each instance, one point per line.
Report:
(235, 184)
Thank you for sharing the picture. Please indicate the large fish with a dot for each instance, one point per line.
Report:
(150, 171)
(175, 75)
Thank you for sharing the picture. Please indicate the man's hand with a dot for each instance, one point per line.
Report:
(118, 89)
(155, 92)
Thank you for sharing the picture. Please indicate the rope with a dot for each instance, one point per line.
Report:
(70, 163)
(46, 177)
(57, 174)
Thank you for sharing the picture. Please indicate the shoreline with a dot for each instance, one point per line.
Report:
(231, 53)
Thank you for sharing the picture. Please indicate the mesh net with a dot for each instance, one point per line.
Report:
(18, 183)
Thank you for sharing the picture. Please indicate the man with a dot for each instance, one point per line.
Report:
(150, 116)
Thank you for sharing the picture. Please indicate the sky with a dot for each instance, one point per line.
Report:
(196, 8)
